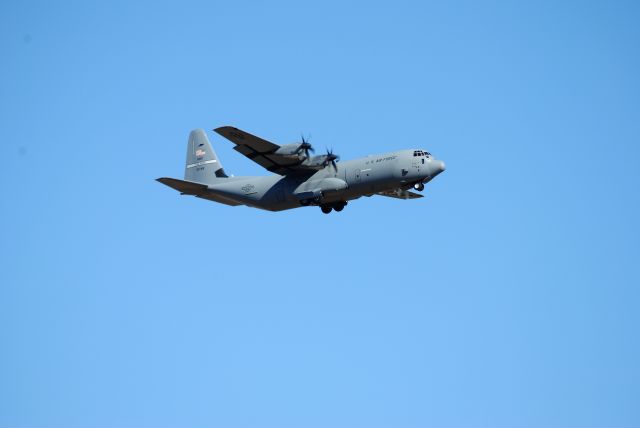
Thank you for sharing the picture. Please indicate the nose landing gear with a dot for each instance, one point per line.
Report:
(419, 187)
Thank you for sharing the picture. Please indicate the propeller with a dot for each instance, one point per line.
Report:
(331, 159)
(305, 147)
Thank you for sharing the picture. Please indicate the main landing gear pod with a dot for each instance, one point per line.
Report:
(338, 206)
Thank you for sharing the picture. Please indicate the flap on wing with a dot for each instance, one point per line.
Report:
(400, 194)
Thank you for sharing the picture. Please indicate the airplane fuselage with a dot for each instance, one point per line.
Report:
(361, 177)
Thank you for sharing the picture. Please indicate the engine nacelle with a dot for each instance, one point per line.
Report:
(295, 149)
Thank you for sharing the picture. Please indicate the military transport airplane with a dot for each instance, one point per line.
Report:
(300, 179)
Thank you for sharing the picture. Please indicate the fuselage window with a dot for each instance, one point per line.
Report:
(423, 161)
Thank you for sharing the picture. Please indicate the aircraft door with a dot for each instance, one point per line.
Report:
(415, 163)
(357, 175)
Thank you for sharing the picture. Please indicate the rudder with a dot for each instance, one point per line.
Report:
(203, 165)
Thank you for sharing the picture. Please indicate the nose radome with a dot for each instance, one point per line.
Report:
(437, 167)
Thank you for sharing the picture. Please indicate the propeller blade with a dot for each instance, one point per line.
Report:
(331, 159)
(305, 146)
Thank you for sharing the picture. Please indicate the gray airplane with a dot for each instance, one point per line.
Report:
(300, 179)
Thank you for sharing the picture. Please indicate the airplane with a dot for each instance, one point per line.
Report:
(299, 178)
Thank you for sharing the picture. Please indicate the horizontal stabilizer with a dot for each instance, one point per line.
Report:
(184, 187)
(199, 190)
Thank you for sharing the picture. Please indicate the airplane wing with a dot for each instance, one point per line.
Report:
(197, 189)
(400, 194)
(263, 152)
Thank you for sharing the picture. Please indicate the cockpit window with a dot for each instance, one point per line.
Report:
(422, 153)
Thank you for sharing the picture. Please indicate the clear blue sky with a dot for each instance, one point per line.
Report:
(507, 297)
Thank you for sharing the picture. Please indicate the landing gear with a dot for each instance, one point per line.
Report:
(419, 187)
(338, 206)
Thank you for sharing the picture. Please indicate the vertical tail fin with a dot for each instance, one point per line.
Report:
(203, 165)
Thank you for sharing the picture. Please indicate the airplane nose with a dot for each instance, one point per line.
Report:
(437, 168)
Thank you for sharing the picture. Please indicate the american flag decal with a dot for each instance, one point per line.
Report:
(200, 154)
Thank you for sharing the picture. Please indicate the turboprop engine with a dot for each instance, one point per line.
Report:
(296, 149)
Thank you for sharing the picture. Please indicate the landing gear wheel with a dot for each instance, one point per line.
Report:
(325, 209)
(339, 207)
(419, 187)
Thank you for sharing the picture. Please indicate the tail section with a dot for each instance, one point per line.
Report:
(203, 165)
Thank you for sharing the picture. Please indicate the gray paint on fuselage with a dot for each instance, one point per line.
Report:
(364, 177)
